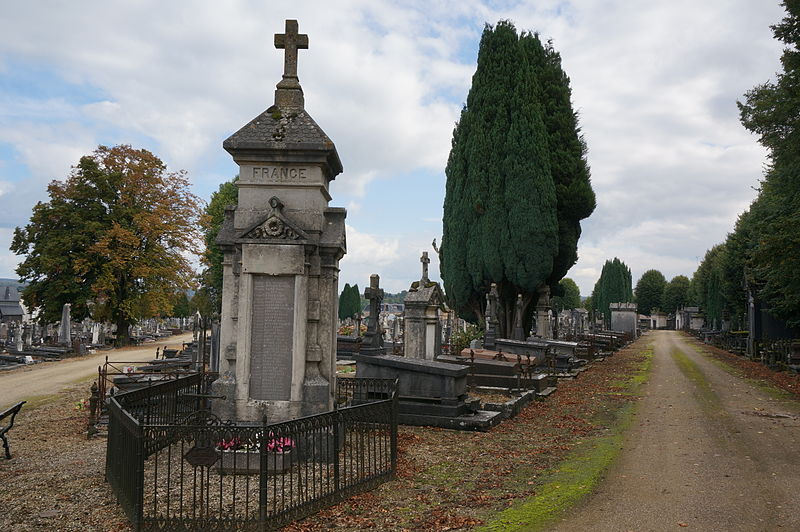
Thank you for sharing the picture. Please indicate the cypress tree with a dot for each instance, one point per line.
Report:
(500, 209)
(614, 286)
(344, 303)
(567, 152)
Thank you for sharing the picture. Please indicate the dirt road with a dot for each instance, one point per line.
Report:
(707, 451)
(44, 379)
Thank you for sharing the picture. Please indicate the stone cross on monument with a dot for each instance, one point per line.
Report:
(289, 94)
(373, 339)
(425, 261)
(291, 41)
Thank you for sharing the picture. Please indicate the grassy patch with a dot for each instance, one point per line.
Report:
(579, 473)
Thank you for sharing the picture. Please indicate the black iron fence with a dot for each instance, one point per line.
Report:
(174, 466)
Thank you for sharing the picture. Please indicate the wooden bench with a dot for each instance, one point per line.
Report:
(10, 413)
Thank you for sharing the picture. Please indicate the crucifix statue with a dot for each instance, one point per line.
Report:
(291, 41)
(425, 261)
(373, 337)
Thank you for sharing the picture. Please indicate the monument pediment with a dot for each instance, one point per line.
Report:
(276, 226)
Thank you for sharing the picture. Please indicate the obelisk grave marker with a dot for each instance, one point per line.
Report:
(282, 245)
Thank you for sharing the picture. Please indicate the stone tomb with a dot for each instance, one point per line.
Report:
(430, 393)
(624, 318)
(282, 244)
(424, 301)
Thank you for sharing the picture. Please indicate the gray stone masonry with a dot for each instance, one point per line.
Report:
(373, 339)
(543, 326)
(424, 301)
(282, 244)
(624, 317)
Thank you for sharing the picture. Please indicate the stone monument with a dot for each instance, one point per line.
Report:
(491, 317)
(373, 339)
(65, 328)
(543, 327)
(624, 318)
(282, 244)
(423, 303)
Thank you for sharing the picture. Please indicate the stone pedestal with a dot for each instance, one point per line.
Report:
(423, 303)
(282, 244)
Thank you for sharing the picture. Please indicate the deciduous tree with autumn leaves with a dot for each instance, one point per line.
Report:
(114, 240)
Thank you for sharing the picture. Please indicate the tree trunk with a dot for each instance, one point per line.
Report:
(123, 333)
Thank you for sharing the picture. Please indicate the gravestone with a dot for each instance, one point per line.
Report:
(423, 303)
(519, 330)
(95, 333)
(373, 339)
(282, 244)
(65, 328)
(543, 327)
(3, 333)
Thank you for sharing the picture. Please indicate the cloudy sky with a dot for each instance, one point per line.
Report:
(655, 83)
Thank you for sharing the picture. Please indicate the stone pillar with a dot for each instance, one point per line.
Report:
(491, 318)
(543, 327)
(282, 244)
(519, 330)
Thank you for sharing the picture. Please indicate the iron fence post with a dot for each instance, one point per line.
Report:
(262, 476)
(393, 416)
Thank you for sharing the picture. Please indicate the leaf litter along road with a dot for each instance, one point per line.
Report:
(708, 451)
(447, 480)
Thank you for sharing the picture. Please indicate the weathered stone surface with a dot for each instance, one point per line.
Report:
(282, 244)
(271, 337)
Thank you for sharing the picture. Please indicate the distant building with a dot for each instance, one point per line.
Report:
(689, 319)
(10, 308)
(656, 320)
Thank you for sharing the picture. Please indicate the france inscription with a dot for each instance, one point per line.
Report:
(271, 337)
(279, 174)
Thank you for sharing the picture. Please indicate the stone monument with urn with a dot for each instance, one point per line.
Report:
(282, 244)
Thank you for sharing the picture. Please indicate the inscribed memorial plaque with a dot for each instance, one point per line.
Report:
(271, 337)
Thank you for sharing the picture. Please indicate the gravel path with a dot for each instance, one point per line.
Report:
(707, 451)
(52, 377)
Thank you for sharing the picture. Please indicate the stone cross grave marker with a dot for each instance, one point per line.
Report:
(425, 261)
(373, 340)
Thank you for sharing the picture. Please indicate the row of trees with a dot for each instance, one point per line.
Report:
(517, 179)
(762, 253)
(652, 291)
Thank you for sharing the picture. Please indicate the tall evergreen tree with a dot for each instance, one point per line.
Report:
(502, 215)
(649, 291)
(344, 303)
(614, 286)
(567, 152)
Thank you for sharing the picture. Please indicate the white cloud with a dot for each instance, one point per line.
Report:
(655, 87)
